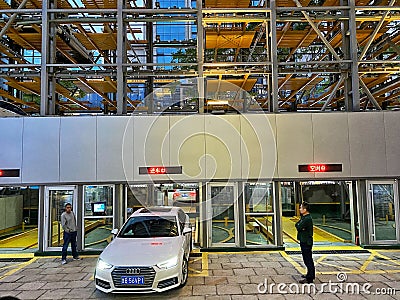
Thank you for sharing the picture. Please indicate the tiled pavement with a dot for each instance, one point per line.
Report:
(257, 275)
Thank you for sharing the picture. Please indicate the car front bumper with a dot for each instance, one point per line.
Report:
(156, 280)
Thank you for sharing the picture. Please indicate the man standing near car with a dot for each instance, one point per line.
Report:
(305, 235)
(68, 223)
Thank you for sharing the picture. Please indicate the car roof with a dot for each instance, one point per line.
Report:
(157, 210)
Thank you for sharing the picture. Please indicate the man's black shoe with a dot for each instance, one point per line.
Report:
(305, 281)
(303, 276)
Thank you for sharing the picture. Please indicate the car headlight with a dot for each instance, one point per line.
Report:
(170, 263)
(102, 265)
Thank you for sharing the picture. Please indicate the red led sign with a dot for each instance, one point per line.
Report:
(320, 168)
(9, 172)
(159, 170)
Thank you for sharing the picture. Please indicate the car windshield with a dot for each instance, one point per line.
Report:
(149, 226)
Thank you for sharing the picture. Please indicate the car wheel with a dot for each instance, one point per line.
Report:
(185, 272)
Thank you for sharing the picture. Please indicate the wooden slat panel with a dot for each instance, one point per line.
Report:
(105, 41)
(33, 41)
(290, 3)
(100, 3)
(229, 39)
(38, 4)
(227, 3)
(292, 38)
(296, 83)
(4, 5)
(230, 85)
(99, 85)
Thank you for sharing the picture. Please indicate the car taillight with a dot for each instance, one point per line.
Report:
(176, 195)
(192, 194)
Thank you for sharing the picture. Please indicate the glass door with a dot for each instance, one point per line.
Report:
(383, 205)
(222, 214)
(56, 198)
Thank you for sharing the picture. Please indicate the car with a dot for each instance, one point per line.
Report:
(148, 254)
(184, 196)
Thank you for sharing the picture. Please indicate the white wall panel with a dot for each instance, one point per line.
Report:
(187, 146)
(392, 137)
(78, 149)
(295, 144)
(11, 147)
(151, 145)
(258, 148)
(367, 144)
(114, 148)
(3, 213)
(331, 142)
(223, 142)
(41, 146)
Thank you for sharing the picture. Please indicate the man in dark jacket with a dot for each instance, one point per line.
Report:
(305, 235)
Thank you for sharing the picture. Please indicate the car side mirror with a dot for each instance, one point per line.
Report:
(114, 231)
(187, 230)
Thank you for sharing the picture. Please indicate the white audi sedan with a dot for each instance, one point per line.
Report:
(149, 254)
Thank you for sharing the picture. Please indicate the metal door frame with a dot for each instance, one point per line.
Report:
(47, 206)
(371, 213)
(209, 214)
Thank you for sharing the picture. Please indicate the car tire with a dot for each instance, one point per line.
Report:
(185, 272)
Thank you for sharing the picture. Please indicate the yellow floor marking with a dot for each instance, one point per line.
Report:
(293, 262)
(17, 255)
(321, 259)
(22, 265)
(336, 266)
(229, 231)
(204, 263)
(191, 261)
(387, 258)
(320, 235)
(367, 262)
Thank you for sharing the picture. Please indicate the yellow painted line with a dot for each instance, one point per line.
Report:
(22, 265)
(193, 261)
(229, 231)
(319, 260)
(17, 255)
(367, 262)
(336, 266)
(293, 262)
(204, 264)
(387, 258)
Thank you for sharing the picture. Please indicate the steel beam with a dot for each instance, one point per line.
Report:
(274, 101)
(317, 31)
(369, 95)
(200, 56)
(342, 77)
(376, 30)
(121, 59)
(44, 77)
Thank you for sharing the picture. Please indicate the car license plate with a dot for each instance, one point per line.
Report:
(132, 279)
(185, 195)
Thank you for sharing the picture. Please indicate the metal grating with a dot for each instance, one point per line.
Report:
(331, 252)
(167, 282)
(15, 259)
(147, 272)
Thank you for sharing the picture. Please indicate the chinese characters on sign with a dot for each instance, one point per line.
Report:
(159, 170)
(320, 168)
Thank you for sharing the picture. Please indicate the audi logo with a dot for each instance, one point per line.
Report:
(133, 271)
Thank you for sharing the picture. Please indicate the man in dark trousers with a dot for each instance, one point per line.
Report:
(305, 235)
(68, 223)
